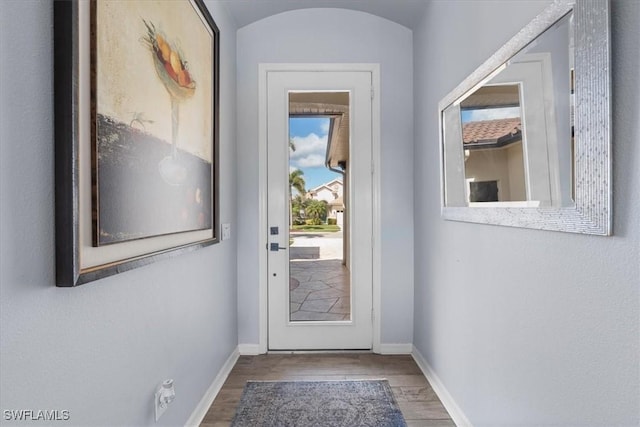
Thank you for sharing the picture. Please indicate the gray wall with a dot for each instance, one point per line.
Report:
(334, 35)
(525, 327)
(100, 350)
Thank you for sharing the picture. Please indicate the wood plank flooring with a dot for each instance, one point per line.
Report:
(419, 404)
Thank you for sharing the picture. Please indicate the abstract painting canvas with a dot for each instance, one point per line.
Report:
(154, 119)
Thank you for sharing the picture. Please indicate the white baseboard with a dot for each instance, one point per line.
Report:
(458, 417)
(201, 410)
(396, 348)
(249, 349)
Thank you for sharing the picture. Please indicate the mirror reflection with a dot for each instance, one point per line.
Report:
(492, 140)
(514, 130)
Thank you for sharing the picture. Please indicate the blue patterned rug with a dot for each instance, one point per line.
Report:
(318, 404)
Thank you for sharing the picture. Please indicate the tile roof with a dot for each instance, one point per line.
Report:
(499, 131)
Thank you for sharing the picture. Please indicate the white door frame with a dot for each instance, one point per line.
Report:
(263, 70)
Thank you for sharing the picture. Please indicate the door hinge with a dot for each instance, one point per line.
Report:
(372, 92)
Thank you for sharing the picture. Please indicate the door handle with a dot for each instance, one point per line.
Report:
(275, 247)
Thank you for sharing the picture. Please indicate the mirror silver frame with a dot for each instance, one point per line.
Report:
(591, 212)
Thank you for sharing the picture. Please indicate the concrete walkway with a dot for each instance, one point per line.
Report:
(329, 245)
(319, 283)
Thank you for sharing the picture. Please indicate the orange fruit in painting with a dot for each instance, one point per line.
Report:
(169, 69)
(184, 79)
(174, 58)
(164, 47)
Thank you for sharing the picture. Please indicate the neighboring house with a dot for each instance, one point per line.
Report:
(494, 166)
(328, 191)
(332, 193)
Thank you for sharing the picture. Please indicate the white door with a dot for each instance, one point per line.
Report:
(355, 330)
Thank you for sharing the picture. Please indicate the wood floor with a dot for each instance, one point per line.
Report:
(419, 404)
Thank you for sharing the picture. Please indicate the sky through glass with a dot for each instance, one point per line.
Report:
(489, 114)
(309, 135)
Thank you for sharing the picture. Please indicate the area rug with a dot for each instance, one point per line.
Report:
(318, 404)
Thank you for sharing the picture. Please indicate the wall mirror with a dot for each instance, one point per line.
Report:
(525, 139)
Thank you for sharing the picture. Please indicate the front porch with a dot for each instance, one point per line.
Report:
(319, 283)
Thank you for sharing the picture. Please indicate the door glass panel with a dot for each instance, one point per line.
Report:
(319, 273)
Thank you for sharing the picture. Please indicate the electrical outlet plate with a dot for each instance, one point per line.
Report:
(226, 231)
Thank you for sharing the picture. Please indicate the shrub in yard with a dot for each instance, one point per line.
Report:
(316, 210)
(332, 221)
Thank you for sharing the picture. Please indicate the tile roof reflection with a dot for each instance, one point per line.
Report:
(498, 131)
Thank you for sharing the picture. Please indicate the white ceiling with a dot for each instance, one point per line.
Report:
(404, 12)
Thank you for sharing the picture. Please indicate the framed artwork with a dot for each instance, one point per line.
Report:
(136, 134)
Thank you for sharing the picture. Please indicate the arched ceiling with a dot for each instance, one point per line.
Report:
(403, 12)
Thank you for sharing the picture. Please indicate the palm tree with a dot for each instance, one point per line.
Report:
(298, 205)
(295, 181)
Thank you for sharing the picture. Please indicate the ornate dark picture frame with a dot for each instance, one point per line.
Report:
(132, 187)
